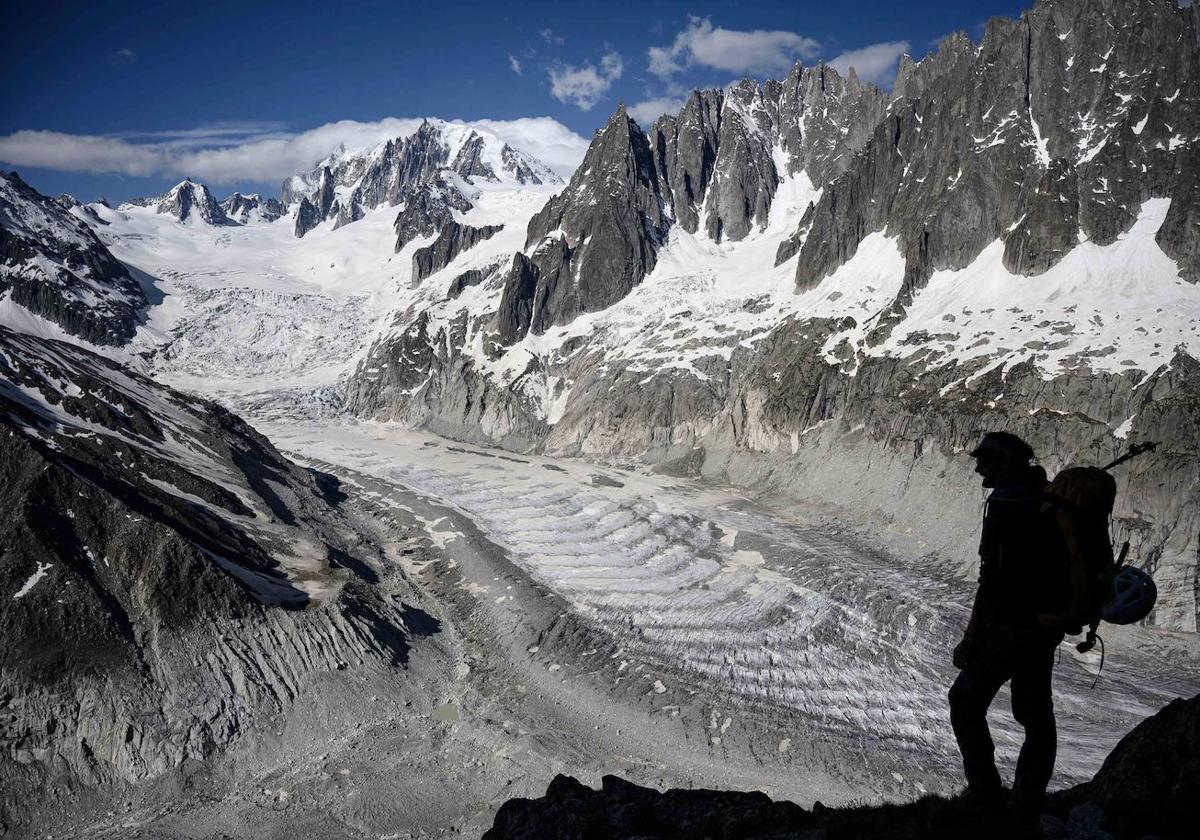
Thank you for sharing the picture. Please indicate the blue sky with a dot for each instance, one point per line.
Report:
(125, 98)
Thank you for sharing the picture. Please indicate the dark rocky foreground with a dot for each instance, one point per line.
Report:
(1148, 787)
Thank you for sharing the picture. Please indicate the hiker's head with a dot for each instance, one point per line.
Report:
(1001, 457)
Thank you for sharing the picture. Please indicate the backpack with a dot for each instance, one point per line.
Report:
(1085, 497)
(1114, 592)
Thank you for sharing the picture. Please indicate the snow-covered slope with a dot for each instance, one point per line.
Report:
(250, 308)
(455, 157)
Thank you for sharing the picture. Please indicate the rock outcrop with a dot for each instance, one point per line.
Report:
(252, 208)
(428, 206)
(189, 201)
(594, 241)
(53, 265)
(307, 217)
(1147, 787)
(453, 240)
(1054, 132)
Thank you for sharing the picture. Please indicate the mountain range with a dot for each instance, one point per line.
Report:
(812, 289)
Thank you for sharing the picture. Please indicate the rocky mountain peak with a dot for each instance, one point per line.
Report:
(53, 266)
(592, 242)
(364, 180)
(253, 207)
(1054, 131)
(188, 200)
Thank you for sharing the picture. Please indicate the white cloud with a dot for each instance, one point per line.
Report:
(122, 57)
(514, 63)
(583, 86)
(648, 111)
(612, 65)
(550, 38)
(876, 63)
(545, 138)
(223, 156)
(756, 52)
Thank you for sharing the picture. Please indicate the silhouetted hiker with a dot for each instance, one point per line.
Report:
(1023, 573)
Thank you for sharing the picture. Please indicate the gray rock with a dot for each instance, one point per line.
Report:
(739, 198)
(975, 147)
(171, 583)
(453, 240)
(469, 160)
(1048, 230)
(685, 151)
(428, 206)
(1178, 235)
(253, 207)
(188, 200)
(594, 241)
(470, 277)
(52, 264)
(307, 217)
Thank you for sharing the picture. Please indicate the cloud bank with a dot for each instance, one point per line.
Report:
(232, 153)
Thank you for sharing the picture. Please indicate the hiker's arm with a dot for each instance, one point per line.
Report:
(1076, 614)
(981, 611)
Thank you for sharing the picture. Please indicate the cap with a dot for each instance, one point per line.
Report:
(1003, 443)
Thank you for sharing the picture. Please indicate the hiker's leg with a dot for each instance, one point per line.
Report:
(1033, 707)
(970, 697)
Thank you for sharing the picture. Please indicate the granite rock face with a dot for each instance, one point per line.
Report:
(719, 161)
(1054, 132)
(453, 240)
(428, 206)
(252, 208)
(191, 201)
(307, 217)
(973, 145)
(592, 242)
(53, 265)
